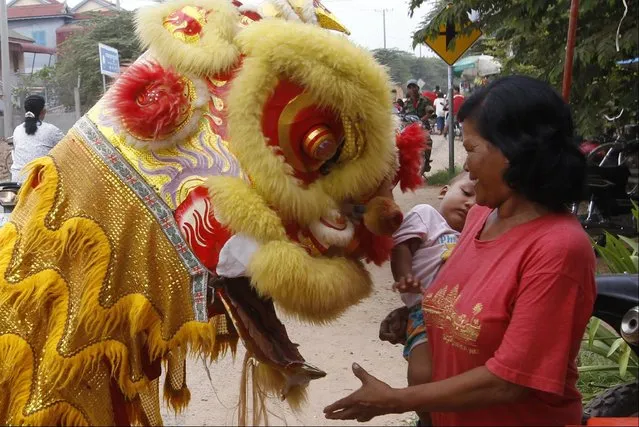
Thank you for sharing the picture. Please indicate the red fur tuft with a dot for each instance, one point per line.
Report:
(151, 101)
(375, 249)
(411, 143)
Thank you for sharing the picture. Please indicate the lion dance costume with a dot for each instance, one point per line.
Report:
(245, 160)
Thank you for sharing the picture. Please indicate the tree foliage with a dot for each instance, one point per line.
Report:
(41, 79)
(404, 66)
(529, 37)
(79, 55)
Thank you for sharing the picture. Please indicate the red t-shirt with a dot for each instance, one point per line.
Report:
(458, 100)
(430, 95)
(519, 305)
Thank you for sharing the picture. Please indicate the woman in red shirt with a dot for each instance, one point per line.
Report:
(507, 312)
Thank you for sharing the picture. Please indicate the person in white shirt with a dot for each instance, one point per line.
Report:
(440, 112)
(33, 138)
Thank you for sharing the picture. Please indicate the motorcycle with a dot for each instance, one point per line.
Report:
(617, 304)
(8, 199)
(407, 120)
(612, 185)
(8, 190)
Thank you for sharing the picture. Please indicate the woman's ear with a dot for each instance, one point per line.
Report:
(443, 192)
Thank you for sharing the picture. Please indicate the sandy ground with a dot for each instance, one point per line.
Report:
(333, 348)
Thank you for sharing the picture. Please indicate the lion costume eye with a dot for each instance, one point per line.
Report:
(320, 143)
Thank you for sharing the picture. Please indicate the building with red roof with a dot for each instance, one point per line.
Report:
(49, 23)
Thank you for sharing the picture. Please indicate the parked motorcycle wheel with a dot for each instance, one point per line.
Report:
(457, 130)
(618, 401)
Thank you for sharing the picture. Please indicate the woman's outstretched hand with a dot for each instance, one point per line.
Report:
(373, 398)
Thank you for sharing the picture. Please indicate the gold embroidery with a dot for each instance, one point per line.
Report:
(460, 330)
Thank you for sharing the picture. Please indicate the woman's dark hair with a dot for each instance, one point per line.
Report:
(33, 106)
(532, 126)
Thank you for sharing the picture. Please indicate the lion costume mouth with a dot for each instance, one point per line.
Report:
(264, 336)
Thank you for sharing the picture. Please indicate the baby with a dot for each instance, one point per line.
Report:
(423, 243)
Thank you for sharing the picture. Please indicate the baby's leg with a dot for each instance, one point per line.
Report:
(420, 372)
(418, 354)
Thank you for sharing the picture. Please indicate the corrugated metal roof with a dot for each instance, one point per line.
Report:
(37, 11)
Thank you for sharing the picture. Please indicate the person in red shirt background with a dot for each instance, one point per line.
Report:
(431, 94)
(506, 314)
(458, 101)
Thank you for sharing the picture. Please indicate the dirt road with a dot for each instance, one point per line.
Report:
(333, 348)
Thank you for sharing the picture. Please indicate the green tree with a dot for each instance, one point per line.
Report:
(79, 55)
(33, 83)
(529, 37)
(404, 66)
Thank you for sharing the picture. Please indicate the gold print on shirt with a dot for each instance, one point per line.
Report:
(460, 330)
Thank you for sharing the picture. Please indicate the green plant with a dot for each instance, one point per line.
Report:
(443, 176)
(593, 381)
(620, 252)
(31, 83)
(605, 342)
(606, 359)
(78, 55)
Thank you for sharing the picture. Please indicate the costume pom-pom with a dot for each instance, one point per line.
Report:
(411, 143)
(375, 249)
(383, 217)
(151, 101)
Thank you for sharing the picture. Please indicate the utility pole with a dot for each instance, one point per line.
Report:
(6, 77)
(384, 22)
(451, 123)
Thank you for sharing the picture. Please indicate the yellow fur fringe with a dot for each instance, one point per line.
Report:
(77, 244)
(338, 75)
(313, 289)
(242, 210)
(263, 382)
(214, 52)
(178, 400)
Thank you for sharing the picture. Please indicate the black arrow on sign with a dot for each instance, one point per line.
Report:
(450, 33)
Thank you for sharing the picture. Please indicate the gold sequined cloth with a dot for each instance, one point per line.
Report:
(91, 290)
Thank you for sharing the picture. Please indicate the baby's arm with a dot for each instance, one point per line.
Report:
(402, 266)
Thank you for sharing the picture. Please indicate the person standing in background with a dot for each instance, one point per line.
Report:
(34, 138)
(440, 111)
(431, 95)
(458, 101)
(416, 104)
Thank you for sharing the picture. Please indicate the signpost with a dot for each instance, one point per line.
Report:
(449, 44)
(109, 62)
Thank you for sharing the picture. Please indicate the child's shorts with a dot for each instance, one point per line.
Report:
(415, 330)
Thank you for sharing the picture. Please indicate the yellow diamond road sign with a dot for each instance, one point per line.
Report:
(450, 44)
